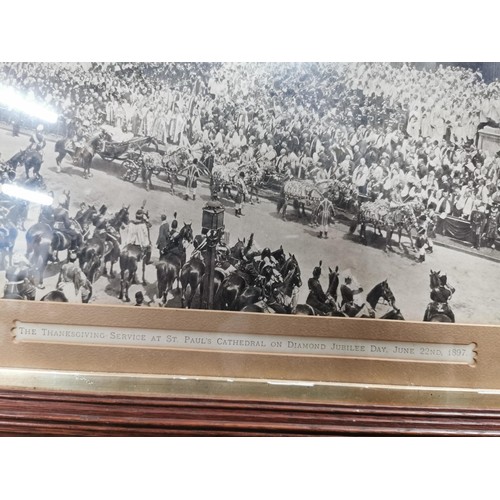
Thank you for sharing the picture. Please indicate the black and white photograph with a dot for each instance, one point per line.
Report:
(361, 190)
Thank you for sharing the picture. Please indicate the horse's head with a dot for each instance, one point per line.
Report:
(290, 263)
(123, 215)
(387, 294)
(434, 278)
(333, 281)
(186, 233)
(236, 251)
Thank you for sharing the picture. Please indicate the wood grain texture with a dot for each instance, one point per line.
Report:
(43, 413)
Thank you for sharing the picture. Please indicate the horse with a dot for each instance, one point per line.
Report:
(112, 239)
(90, 148)
(192, 273)
(382, 216)
(302, 193)
(42, 241)
(30, 158)
(63, 147)
(383, 291)
(54, 296)
(72, 273)
(171, 261)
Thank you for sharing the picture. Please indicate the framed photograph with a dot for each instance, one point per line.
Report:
(301, 231)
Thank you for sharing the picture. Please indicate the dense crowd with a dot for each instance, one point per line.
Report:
(392, 130)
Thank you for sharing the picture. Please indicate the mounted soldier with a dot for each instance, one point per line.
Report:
(37, 140)
(348, 292)
(440, 295)
(62, 222)
(137, 233)
(317, 298)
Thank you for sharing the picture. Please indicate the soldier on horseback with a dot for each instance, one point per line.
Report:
(37, 140)
(317, 298)
(440, 295)
(348, 292)
(63, 223)
(138, 233)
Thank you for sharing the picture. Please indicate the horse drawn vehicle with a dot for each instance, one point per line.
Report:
(148, 163)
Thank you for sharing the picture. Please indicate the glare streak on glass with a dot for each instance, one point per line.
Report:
(26, 194)
(15, 100)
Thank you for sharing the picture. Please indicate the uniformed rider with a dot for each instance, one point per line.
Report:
(63, 223)
(317, 298)
(37, 140)
(440, 296)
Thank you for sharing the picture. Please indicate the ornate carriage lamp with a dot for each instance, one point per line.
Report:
(212, 223)
(213, 216)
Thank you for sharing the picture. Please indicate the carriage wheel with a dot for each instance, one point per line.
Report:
(131, 171)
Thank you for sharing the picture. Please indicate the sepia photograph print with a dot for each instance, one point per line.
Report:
(359, 190)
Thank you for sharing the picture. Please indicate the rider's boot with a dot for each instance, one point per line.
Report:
(320, 235)
(237, 212)
(326, 236)
(194, 197)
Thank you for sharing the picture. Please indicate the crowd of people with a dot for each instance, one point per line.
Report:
(392, 130)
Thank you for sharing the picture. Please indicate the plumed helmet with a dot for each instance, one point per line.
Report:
(139, 214)
(266, 253)
(317, 272)
(174, 224)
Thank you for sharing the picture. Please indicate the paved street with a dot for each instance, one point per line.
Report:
(473, 302)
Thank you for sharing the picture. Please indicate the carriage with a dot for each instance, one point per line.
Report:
(168, 162)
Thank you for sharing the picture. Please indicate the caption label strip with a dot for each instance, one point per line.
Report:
(248, 343)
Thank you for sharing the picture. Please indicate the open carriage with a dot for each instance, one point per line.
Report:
(121, 144)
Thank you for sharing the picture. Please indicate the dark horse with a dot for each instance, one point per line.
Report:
(192, 273)
(382, 291)
(30, 158)
(91, 147)
(42, 241)
(103, 247)
(173, 257)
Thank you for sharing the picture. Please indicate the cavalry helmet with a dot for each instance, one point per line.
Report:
(317, 272)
